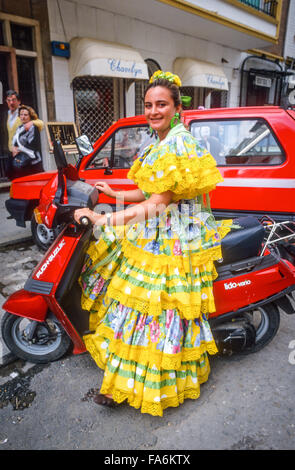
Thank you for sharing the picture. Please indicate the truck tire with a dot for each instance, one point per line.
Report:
(43, 237)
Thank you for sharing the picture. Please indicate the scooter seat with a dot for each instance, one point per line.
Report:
(244, 242)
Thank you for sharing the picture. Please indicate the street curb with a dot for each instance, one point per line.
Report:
(6, 243)
(7, 359)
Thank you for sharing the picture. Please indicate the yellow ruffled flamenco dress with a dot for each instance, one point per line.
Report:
(148, 286)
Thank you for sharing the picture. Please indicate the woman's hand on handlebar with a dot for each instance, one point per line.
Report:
(94, 218)
(105, 188)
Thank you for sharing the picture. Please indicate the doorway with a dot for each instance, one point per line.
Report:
(6, 81)
(27, 82)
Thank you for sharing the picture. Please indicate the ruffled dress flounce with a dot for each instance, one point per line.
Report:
(149, 286)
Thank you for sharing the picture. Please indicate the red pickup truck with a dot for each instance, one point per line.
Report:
(253, 148)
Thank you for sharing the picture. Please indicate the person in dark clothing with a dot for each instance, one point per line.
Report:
(26, 146)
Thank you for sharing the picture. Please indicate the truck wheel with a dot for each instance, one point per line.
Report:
(43, 237)
(36, 342)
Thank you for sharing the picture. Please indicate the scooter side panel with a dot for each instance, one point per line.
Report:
(51, 268)
(238, 291)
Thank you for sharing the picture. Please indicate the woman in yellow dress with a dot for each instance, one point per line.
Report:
(147, 280)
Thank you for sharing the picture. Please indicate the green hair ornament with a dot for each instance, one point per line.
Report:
(186, 101)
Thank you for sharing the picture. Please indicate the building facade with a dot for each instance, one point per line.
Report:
(94, 58)
(289, 55)
(205, 46)
(25, 64)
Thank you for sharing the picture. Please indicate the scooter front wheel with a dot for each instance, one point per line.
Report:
(36, 342)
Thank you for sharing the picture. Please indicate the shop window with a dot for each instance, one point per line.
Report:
(219, 99)
(239, 142)
(122, 148)
(94, 105)
(22, 37)
(261, 82)
(198, 95)
(189, 91)
(140, 87)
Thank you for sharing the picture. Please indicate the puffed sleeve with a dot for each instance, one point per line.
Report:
(178, 164)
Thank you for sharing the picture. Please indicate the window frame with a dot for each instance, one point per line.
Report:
(248, 118)
(7, 19)
(112, 157)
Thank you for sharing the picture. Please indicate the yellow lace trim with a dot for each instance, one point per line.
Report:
(185, 177)
(152, 408)
(193, 310)
(144, 354)
(138, 255)
(189, 305)
(97, 252)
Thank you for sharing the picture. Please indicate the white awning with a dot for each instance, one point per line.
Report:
(100, 58)
(200, 74)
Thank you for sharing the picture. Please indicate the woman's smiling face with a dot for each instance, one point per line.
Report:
(159, 109)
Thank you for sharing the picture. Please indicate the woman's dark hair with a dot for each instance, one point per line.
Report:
(31, 111)
(174, 90)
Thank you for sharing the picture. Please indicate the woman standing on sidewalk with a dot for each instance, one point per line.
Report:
(26, 145)
(147, 281)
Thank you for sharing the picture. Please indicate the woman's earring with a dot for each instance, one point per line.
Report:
(152, 132)
(175, 120)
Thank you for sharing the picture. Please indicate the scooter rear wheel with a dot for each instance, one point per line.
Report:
(36, 342)
(266, 321)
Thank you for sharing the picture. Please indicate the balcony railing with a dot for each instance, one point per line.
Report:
(266, 6)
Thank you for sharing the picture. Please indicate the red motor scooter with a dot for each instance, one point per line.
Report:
(45, 319)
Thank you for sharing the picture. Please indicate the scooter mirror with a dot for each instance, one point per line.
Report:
(84, 145)
(59, 155)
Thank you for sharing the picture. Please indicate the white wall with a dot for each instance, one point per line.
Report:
(290, 32)
(160, 44)
(246, 17)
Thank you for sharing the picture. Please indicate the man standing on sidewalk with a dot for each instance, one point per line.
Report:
(13, 121)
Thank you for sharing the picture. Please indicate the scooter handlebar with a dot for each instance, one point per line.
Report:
(84, 220)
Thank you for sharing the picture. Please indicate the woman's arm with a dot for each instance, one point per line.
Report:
(33, 141)
(147, 209)
(14, 151)
(134, 195)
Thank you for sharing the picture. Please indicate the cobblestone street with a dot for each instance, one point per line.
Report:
(246, 404)
(16, 264)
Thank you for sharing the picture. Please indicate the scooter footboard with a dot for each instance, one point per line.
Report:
(26, 304)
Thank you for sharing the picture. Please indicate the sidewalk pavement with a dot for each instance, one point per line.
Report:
(10, 234)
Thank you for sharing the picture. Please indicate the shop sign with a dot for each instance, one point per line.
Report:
(263, 81)
(118, 67)
(215, 81)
